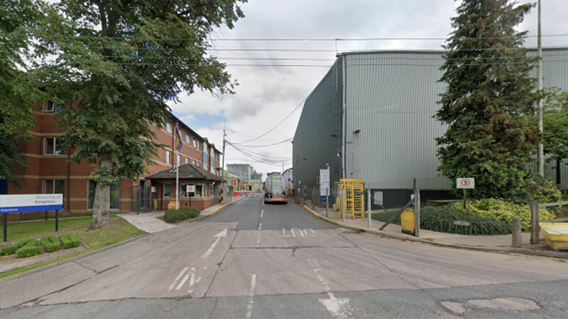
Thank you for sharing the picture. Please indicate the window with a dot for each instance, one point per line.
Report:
(199, 189)
(168, 190)
(114, 194)
(198, 145)
(54, 145)
(194, 143)
(186, 138)
(53, 186)
(168, 157)
(211, 190)
(193, 162)
(169, 127)
(187, 160)
(178, 159)
(50, 106)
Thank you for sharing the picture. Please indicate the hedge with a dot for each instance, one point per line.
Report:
(50, 244)
(10, 250)
(69, 240)
(441, 219)
(179, 215)
(31, 248)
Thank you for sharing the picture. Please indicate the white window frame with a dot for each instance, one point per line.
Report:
(169, 127)
(168, 157)
(178, 159)
(187, 138)
(52, 182)
(51, 107)
(187, 160)
(55, 138)
(170, 185)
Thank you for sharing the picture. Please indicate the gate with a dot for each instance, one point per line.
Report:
(352, 195)
(142, 199)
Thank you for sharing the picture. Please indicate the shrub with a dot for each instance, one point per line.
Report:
(50, 244)
(179, 215)
(69, 240)
(441, 219)
(31, 248)
(10, 250)
(502, 211)
(542, 191)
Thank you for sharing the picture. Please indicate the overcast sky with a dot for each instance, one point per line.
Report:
(276, 76)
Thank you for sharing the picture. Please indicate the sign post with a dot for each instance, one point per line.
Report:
(324, 184)
(10, 204)
(465, 184)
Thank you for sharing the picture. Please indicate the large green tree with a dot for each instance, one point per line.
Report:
(489, 99)
(18, 91)
(122, 60)
(555, 133)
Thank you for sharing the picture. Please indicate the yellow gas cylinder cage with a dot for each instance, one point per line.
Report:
(352, 192)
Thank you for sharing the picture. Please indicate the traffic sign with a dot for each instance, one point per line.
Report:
(465, 183)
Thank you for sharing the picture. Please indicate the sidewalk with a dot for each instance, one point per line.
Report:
(498, 243)
(150, 223)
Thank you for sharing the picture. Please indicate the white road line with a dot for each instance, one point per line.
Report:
(258, 237)
(251, 297)
(177, 278)
(261, 213)
(182, 282)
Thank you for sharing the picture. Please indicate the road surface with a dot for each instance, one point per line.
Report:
(252, 260)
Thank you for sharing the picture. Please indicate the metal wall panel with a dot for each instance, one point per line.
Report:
(391, 97)
(318, 136)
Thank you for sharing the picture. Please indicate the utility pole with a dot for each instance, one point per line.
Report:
(540, 101)
(223, 170)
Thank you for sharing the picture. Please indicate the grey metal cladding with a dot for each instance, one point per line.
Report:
(391, 99)
(318, 135)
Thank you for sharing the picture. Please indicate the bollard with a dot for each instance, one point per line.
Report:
(535, 216)
(517, 235)
(344, 203)
(326, 201)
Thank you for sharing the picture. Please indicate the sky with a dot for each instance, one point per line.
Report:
(282, 49)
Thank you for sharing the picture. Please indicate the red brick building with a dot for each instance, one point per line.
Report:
(49, 169)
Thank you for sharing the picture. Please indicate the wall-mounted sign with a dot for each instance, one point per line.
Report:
(234, 182)
(465, 183)
(190, 188)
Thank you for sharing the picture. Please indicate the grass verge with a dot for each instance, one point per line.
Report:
(119, 231)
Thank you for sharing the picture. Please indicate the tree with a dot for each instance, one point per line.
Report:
(17, 88)
(555, 133)
(489, 100)
(122, 60)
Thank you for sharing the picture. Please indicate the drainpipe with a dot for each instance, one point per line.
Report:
(343, 117)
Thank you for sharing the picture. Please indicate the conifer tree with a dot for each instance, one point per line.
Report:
(489, 100)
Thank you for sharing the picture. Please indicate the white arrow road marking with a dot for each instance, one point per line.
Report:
(338, 308)
(251, 297)
(210, 250)
(177, 278)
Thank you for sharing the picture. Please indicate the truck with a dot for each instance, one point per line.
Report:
(275, 190)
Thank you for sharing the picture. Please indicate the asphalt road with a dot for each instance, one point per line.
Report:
(279, 261)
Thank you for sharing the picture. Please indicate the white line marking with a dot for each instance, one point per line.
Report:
(298, 229)
(284, 233)
(193, 280)
(251, 297)
(177, 278)
(338, 308)
(261, 213)
(309, 235)
(182, 282)
(258, 237)
(210, 250)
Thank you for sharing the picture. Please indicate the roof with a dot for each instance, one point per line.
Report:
(187, 171)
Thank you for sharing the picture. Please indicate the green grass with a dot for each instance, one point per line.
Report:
(118, 231)
(23, 230)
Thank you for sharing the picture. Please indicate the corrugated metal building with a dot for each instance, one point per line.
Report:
(371, 118)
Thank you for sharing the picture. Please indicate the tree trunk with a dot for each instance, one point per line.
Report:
(101, 206)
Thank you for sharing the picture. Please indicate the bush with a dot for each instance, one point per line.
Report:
(502, 211)
(542, 191)
(31, 248)
(10, 250)
(441, 219)
(50, 244)
(69, 240)
(179, 215)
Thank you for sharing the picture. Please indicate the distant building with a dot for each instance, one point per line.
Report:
(371, 118)
(244, 171)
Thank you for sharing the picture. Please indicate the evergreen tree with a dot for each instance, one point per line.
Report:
(122, 60)
(490, 101)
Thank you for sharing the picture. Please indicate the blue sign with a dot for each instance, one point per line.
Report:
(30, 203)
